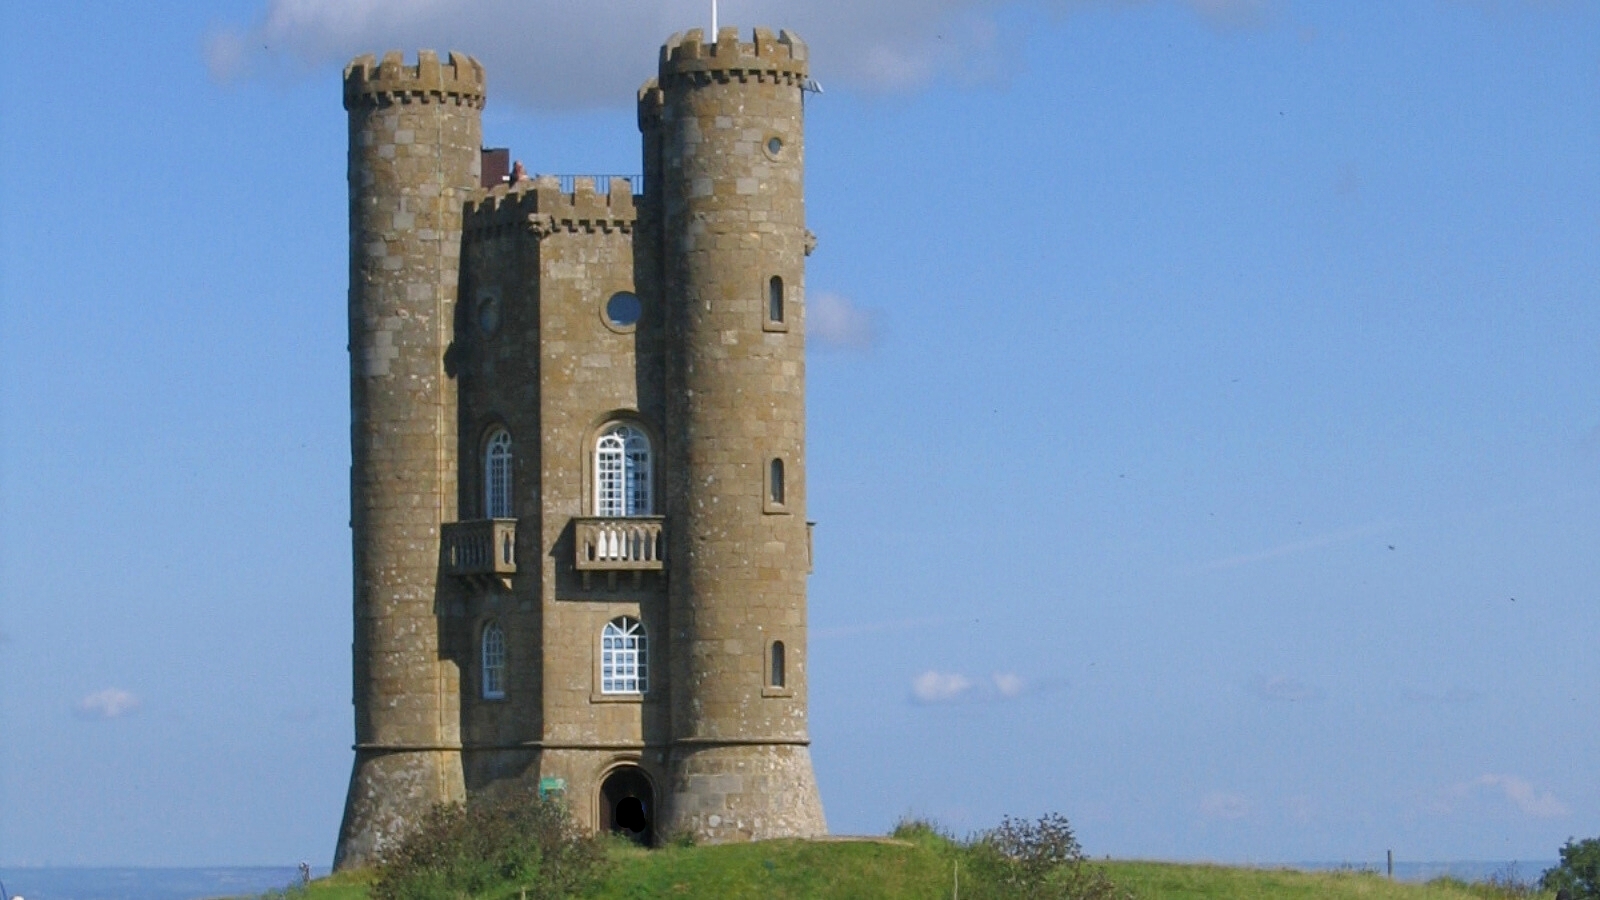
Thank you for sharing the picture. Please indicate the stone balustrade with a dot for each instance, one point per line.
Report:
(613, 544)
(482, 547)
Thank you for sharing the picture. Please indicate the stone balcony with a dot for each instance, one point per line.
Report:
(620, 544)
(481, 551)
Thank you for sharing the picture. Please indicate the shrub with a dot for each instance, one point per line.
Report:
(1038, 860)
(918, 830)
(1578, 875)
(492, 846)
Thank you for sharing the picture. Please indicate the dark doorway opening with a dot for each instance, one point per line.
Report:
(627, 805)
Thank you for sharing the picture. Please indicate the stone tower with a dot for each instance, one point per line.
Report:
(415, 135)
(733, 205)
(579, 494)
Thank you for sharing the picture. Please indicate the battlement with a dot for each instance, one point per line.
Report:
(368, 82)
(650, 101)
(687, 56)
(542, 207)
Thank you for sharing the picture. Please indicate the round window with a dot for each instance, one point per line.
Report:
(774, 145)
(624, 309)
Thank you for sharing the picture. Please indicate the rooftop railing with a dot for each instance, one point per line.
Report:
(602, 183)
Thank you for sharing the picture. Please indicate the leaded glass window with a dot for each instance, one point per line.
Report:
(624, 666)
(494, 662)
(775, 299)
(622, 473)
(497, 476)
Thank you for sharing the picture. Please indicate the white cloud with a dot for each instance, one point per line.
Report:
(950, 687)
(940, 687)
(1223, 805)
(834, 319)
(1009, 684)
(1519, 792)
(552, 54)
(110, 703)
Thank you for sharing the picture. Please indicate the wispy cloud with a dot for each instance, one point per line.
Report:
(111, 703)
(1225, 806)
(1301, 546)
(951, 687)
(1447, 696)
(1285, 689)
(1519, 792)
(888, 626)
(553, 54)
(835, 319)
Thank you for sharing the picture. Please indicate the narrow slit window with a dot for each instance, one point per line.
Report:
(775, 299)
(775, 482)
(776, 675)
(494, 662)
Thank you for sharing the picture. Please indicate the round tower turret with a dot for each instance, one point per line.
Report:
(731, 188)
(415, 135)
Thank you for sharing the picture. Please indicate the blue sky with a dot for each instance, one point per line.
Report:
(1204, 412)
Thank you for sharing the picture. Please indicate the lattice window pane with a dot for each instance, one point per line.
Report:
(622, 481)
(497, 476)
(494, 662)
(622, 657)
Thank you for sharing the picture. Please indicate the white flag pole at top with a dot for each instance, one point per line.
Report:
(713, 19)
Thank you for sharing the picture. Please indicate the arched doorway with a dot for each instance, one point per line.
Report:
(627, 805)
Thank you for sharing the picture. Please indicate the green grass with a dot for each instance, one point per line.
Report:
(1175, 881)
(780, 870)
(922, 868)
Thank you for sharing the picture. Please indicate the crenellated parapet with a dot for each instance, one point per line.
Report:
(540, 207)
(650, 101)
(368, 82)
(688, 57)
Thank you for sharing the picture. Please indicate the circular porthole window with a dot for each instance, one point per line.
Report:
(488, 313)
(774, 146)
(623, 310)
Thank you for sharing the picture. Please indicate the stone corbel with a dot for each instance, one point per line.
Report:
(541, 225)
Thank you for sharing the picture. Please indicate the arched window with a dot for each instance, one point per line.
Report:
(775, 482)
(622, 472)
(775, 299)
(494, 662)
(775, 673)
(497, 476)
(624, 667)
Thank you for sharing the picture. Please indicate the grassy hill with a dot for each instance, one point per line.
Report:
(923, 868)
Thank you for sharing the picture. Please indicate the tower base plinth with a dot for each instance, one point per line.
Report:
(744, 793)
(390, 792)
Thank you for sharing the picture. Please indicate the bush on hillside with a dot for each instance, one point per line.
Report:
(1578, 875)
(918, 830)
(492, 846)
(1037, 860)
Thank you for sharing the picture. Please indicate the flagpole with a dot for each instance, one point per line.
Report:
(713, 20)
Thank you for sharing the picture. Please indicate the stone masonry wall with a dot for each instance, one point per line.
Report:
(732, 199)
(497, 329)
(414, 139)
